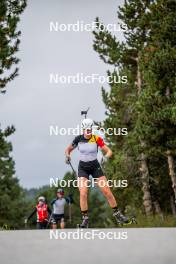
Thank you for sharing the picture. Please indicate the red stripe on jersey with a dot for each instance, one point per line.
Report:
(100, 142)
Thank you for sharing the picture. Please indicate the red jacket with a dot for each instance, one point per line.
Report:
(42, 212)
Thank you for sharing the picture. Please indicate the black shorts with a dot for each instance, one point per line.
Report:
(90, 168)
(57, 218)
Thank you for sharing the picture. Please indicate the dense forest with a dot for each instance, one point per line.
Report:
(145, 105)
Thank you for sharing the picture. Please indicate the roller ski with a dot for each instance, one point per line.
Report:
(85, 222)
(123, 220)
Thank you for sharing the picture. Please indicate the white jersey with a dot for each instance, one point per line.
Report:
(88, 148)
(58, 206)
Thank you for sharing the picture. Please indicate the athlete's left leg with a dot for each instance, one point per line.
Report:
(105, 189)
(62, 223)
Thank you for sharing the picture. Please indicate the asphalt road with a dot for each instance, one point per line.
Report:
(73, 246)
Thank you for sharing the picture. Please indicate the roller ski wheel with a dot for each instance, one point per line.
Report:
(131, 221)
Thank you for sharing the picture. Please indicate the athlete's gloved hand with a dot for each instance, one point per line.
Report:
(67, 159)
(25, 221)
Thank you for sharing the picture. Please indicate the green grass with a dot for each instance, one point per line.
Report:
(155, 221)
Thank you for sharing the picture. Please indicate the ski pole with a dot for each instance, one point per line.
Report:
(49, 221)
(74, 172)
(69, 208)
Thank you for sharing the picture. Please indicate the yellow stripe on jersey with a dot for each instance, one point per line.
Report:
(93, 139)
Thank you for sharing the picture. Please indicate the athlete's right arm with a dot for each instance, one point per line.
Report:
(32, 213)
(71, 147)
(53, 201)
(68, 150)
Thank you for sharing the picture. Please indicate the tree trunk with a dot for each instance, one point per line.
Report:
(158, 209)
(172, 203)
(139, 79)
(170, 161)
(147, 201)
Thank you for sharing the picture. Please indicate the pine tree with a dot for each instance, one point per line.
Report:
(9, 44)
(126, 58)
(11, 197)
(11, 194)
(158, 99)
(146, 102)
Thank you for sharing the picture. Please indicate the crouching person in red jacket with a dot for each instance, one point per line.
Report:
(42, 212)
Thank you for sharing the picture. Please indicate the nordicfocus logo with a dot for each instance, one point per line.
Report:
(55, 130)
(91, 183)
(81, 26)
(88, 235)
(81, 78)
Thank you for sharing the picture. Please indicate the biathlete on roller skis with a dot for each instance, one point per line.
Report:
(88, 144)
(58, 204)
(42, 212)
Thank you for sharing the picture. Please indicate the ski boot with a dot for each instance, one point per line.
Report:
(85, 222)
(122, 219)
